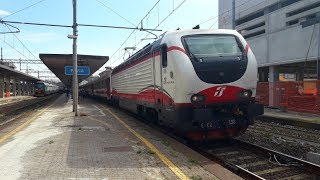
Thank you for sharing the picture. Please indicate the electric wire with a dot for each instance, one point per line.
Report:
(223, 13)
(36, 24)
(115, 12)
(199, 23)
(248, 8)
(132, 32)
(163, 20)
(24, 46)
(24, 8)
(22, 43)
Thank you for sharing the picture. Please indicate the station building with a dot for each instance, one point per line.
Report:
(285, 38)
(15, 83)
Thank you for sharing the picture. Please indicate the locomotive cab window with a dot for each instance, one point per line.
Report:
(163, 53)
(217, 46)
(216, 58)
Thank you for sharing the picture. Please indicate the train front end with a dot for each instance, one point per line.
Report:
(39, 89)
(216, 88)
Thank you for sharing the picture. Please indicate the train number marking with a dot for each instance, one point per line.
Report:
(206, 125)
(232, 121)
(219, 91)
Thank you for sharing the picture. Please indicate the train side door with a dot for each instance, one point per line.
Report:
(163, 65)
(157, 74)
(156, 78)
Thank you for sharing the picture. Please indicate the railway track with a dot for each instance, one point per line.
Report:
(256, 162)
(310, 135)
(15, 110)
(290, 121)
(248, 160)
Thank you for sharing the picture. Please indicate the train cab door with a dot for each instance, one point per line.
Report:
(157, 74)
(163, 65)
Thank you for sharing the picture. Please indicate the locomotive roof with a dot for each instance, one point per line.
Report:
(146, 50)
(45, 83)
(142, 53)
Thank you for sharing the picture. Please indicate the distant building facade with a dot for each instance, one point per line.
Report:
(283, 34)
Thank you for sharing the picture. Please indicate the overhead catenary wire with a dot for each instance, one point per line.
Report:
(69, 26)
(36, 24)
(38, 2)
(112, 62)
(119, 27)
(163, 20)
(220, 15)
(14, 48)
(115, 12)
(247, 8)
(22, 43)
(133, 32)
(24, 46)
(223, 13)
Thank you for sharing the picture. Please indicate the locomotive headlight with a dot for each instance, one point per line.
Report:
(198, 98)
(245, 94)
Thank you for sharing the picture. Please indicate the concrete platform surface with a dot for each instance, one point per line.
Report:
(295, 116)
(102, 143)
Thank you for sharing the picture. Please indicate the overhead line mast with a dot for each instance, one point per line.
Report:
(75, 62)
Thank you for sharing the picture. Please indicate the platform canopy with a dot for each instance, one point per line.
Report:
(57, 63)
(8, 72)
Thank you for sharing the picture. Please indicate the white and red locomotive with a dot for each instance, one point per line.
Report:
(200, 83)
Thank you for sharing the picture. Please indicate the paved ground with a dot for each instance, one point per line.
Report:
(57, 145)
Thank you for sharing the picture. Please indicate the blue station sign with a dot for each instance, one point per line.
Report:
(82, 70)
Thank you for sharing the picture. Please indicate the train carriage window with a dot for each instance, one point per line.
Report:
(163, 53)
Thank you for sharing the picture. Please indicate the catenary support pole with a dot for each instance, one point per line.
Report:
(318, 59)
(75, 61)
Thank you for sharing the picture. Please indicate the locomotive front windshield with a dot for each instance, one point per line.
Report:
(39, 86)
(216, 58)
(206, 46)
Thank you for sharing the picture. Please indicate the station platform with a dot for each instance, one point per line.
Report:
(101, 143)
(305, 120)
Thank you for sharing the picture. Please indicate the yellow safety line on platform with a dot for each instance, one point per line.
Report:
(166, 161)
(13, 132)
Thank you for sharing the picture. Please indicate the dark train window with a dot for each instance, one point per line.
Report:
(163, 52)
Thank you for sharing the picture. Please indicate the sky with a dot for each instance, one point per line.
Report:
(95, 41)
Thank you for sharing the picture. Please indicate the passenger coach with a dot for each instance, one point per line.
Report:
(43, 88)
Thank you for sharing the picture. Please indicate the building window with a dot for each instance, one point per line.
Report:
(253, 27)
(266, 10)
(288, 2)
(254, 34)
(290, 23)
(301, 10)
(249, 18)
(272, 8)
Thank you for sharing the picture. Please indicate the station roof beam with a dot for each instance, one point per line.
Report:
(58, 62)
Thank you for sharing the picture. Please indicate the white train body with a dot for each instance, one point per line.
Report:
(201, 83)
(43, 88)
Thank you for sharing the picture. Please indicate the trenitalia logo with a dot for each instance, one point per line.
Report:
(219, 91)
